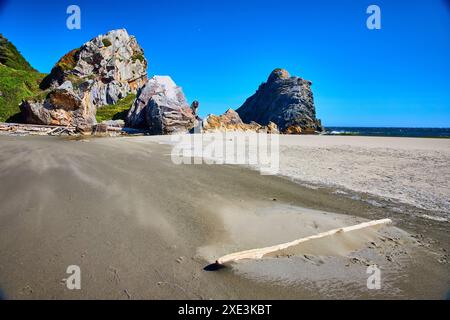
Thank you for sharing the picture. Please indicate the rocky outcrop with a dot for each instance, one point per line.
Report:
(161, 108)
(272, 128)
(231, 121)
(110, 66)
(101, 72)
(62, 107)
(284, 100)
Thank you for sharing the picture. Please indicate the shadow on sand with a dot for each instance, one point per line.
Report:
(214, 267)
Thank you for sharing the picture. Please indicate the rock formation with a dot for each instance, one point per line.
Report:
(161, 108)
(231, 121)
(101, 72)
(284, 100)
(62, 107)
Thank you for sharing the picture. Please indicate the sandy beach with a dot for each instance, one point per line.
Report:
(141, 227)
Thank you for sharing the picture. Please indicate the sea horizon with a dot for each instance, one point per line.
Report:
(406, 132)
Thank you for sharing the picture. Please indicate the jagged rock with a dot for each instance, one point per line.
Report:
(164, 85)
(284, 100)
(66, 86)
(111, 66)
(167, 116)
(161, 108)
(101, 72)
(293, 130)
(231, 121)
(272, 128)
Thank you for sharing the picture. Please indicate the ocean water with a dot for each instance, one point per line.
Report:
(390, 132)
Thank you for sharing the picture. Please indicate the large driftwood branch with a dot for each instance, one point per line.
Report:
(256, 254)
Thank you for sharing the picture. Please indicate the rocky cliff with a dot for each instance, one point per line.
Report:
(284, 100)
(101, 72)
(161, 108)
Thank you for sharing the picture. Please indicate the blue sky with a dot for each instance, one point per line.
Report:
(220, 51)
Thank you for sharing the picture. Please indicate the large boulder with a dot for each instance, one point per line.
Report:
(62, 107)
(284, 100)
(161, 108)
(101, 72)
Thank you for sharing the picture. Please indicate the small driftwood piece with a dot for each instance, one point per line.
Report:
(257, 254)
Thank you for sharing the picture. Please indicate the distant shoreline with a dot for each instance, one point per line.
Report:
(433, 133)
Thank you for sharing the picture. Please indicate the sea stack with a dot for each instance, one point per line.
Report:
(284, 100)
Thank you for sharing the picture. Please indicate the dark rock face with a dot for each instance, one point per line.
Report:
(161, 108)
(284, 100)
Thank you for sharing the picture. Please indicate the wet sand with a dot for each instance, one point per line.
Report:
(141, 227)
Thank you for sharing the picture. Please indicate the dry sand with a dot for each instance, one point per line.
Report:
(141, 227)
(409, 170)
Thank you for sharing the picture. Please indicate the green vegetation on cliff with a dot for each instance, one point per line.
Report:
(18, 80)
(16, 85)
(118, 111)
(69, 60)
(138, 56)
(106, 42)
(11, 57)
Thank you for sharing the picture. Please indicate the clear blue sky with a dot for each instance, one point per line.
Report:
(220, 51)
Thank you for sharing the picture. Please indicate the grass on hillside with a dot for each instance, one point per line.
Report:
(16, 85)
(118, 111)
(11, 57)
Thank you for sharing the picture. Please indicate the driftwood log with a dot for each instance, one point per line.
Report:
(256, 254)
